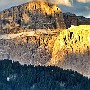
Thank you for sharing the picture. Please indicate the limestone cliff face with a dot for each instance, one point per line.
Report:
(27, 47)
(28, 32)
(48, 43)
(32, 15)
(72, 49)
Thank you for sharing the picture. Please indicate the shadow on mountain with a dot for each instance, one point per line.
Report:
(14, 76)
(78, 62)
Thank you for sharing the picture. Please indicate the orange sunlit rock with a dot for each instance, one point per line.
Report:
(73, 40)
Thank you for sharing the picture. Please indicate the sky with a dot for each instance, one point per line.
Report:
(78, 7)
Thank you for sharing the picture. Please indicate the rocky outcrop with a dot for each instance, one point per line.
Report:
(32, 15)
(72, 49)
(27, 47)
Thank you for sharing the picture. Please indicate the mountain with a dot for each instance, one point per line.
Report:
(14, 76)
(28, 30)
(72, 49)
(69, 49)
(32, 15)
(37, 45)
(72, 19)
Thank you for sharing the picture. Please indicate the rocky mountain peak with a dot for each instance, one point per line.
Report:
(32, 15)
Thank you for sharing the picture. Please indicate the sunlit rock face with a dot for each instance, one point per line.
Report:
(39, 37)
(28, 32)
(32, 15)
(72, 49)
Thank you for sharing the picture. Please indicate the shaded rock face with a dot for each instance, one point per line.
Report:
(32, 15)
(36, 49)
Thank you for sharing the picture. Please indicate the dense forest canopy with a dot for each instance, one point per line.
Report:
(14, 76)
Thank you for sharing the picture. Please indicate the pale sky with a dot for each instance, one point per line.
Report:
(79, 7)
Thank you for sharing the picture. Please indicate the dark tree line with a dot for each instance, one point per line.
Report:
(14, 76)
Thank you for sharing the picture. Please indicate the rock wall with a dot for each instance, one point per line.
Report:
(32, 15)
(69, 50)
(72, 19)
(35, 49)
(72, 49)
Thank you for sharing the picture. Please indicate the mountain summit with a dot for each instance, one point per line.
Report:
(32, 15)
